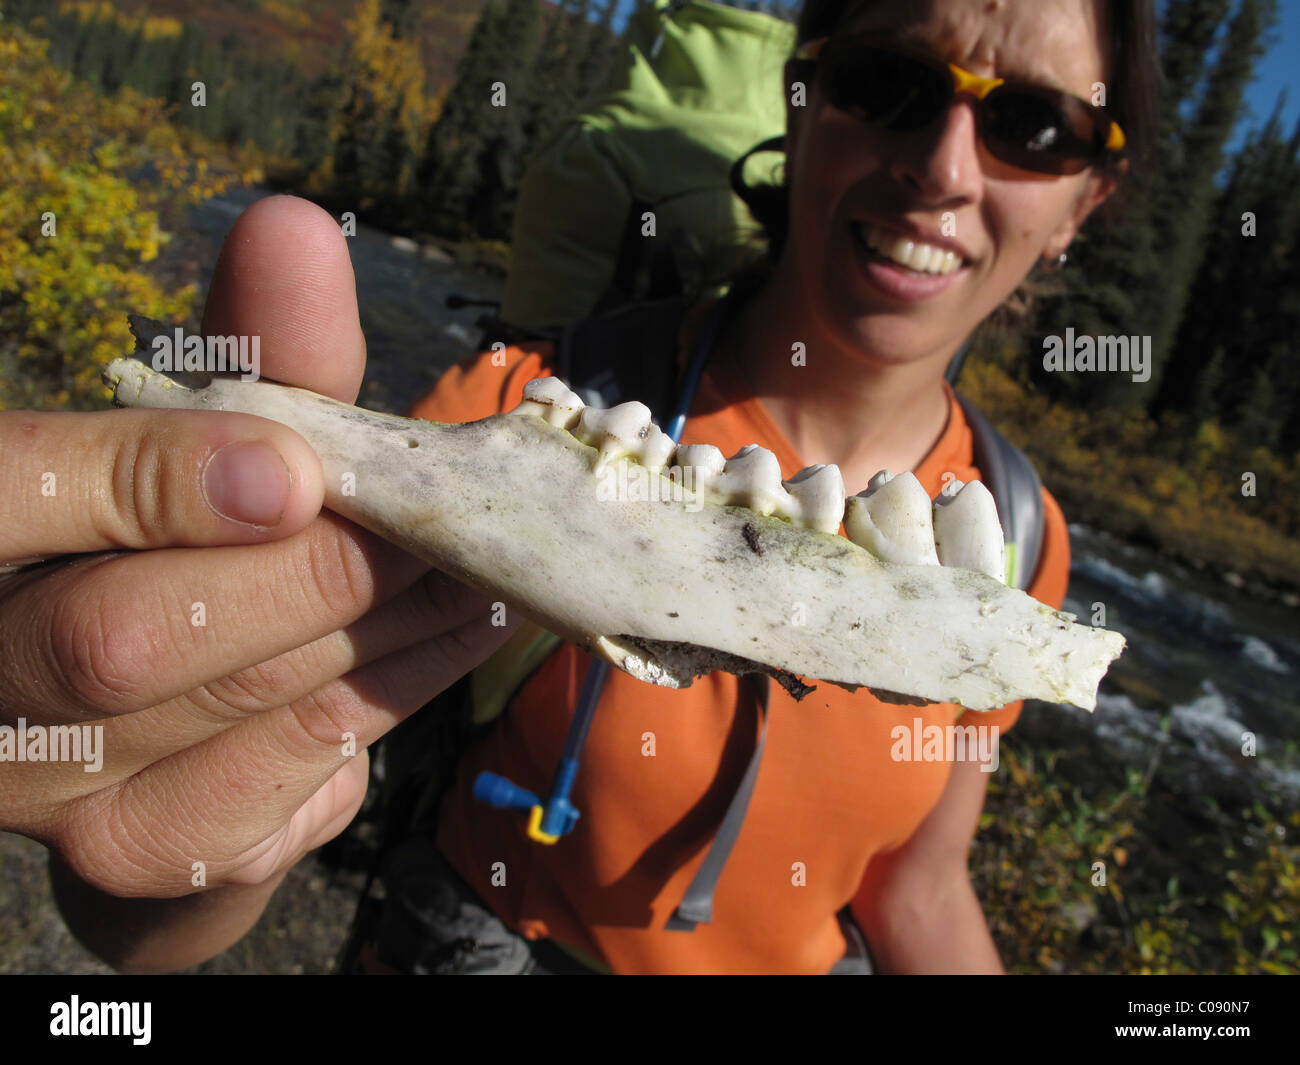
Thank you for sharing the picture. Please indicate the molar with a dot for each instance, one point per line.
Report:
(967, 533)
(705, 463)
(552, 400)
(817, 494)
(892, 519)
(752, 478)
(624, 430)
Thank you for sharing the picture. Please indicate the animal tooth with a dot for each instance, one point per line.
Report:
(625, 430)
(698, 467)
(657, 448)
(667, 592)
(967, 533)
(878, 478)
(891, 519)
(752, 478)
(553, 401)
(818, 497)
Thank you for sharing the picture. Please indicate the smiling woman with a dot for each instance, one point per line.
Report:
(936, 152)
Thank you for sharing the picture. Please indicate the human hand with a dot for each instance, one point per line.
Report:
(228, 643)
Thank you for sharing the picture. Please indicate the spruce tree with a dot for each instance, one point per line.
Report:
(448, 175)
(1238, 271)
(602, 47)
(553, 94)
(1216, 115)
(474, 154)
(492, 210)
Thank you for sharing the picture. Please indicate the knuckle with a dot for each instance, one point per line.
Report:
(341, 571)
(442, 596)
(99, 850)
(326, 715)
(250, 691)
(133, 507)
(101, 662)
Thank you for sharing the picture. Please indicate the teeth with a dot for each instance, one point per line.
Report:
(550, 399)
(967, 532)
(752, 478)
(916, 255)
(817, 494)
(892, 520)
(625, 430)
(704, 463)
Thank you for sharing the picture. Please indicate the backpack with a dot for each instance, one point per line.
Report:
(632, 199)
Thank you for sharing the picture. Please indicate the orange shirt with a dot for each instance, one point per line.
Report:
(660, 766)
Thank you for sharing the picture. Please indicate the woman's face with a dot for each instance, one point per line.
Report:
(938, 181)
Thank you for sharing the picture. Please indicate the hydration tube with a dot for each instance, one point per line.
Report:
(549, 821)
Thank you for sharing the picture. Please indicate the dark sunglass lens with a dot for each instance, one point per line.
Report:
(882, 87)
(1037, 132)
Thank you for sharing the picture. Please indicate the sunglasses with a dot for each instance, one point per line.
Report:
(1030, 127)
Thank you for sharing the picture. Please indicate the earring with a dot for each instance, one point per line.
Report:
(1052, 266)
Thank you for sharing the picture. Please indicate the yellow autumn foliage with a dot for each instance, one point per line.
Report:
(386, 78)
(287, 13)
(155, 27)
(91, 185)
(1193, 489)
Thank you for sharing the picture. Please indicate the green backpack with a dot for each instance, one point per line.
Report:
(632, 198)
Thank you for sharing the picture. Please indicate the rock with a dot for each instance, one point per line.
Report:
(1080, 914)
(458, 332)
(405, 244)
(436, 255)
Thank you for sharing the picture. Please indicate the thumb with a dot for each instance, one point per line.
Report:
(73, 483)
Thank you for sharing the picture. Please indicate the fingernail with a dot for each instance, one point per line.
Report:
(248, 483)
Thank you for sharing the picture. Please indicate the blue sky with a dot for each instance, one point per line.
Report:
(1278, 70)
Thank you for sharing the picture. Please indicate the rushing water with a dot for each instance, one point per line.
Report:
(1206, 671)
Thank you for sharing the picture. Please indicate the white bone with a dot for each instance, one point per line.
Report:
(967, 533)
(817, 493)
(891, 519)
(670, 591)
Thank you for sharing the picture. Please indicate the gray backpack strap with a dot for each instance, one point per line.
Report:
(1017, 491)
(696, 906)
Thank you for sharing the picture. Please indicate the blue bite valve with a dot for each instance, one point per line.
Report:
(497, 791)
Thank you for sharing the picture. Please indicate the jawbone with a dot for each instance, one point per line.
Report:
(683, 582)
